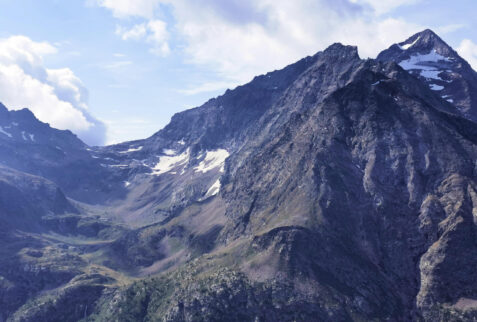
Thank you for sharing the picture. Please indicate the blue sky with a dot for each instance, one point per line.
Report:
(117, 70)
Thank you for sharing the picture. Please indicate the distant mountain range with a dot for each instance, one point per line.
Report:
(335, 189)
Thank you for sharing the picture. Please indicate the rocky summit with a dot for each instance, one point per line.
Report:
(335, 189)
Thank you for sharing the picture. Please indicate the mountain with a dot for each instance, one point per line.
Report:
(335, 189)
(31, 146)
(429, 58)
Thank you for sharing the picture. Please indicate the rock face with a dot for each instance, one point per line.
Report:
(336, 189)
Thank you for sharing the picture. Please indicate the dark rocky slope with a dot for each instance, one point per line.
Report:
(359, 184)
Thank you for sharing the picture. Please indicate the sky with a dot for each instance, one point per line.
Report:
(117, 70)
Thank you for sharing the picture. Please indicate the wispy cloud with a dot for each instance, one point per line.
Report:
(127, 8)
(129, 128)
(137, 32)
(384, 6)
(207, 87)
(117, 64)
(118, 86)
(153, 32)
(449, 28)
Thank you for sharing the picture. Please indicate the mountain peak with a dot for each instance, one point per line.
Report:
(428, 34)
(340, 50)
(426, 41)
(26, 115)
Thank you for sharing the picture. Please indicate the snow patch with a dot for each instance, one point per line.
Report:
(374, 84)
(434, 74)
(4, 132)
(214, 189)
(169, 152)
(407, 46)
(32, 137)
(139, 148)
(181, 142)
(212, 160)
(167, 163)
(127, 183)
(23, 136)
(450, 100)
(435, 87)
(419, 62)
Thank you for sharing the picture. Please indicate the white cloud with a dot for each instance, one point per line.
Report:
(158, 37)
(153, 32)
(240, 39)
(284, 32)
(468, 50)
(126, 8)
(137, 32)
(383, 6)
(55, 96)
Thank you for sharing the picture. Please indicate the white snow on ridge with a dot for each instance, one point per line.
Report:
(214, 189)
(139, 148)
(212, 160)
(407, 46)
(4, 132)
(435, 87)
(167, 163)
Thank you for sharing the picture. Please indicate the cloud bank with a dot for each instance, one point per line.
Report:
(55, 96)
